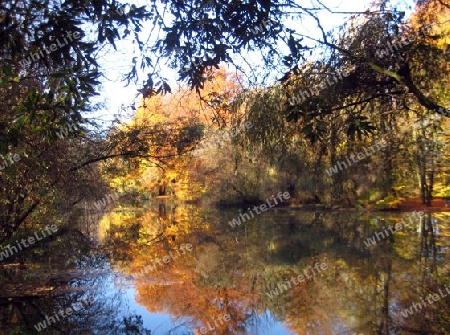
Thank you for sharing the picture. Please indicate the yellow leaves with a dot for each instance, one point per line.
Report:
(390, 201)
(436, 15)
(165, 129)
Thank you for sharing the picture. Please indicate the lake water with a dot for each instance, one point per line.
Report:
(181, 269)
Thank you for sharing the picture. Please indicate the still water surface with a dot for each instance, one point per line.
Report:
(283, 272)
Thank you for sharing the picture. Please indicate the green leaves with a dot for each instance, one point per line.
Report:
(359, 126)
(315, 130)
(150, 88)
(172, 40)
(188, 136)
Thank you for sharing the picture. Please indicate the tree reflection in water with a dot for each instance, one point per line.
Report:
(229, 273)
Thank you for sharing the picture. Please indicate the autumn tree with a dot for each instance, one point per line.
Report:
(48, 75)
(343, 103)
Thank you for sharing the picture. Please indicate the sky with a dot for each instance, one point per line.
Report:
(116, 63)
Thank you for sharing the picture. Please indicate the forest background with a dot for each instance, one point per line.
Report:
(170, 146)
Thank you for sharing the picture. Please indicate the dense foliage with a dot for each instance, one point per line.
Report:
(355, 117)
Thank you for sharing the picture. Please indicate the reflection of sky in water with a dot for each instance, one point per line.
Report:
(266, 324)
(161, 324)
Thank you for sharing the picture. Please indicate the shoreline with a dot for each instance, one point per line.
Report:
(408, 205)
